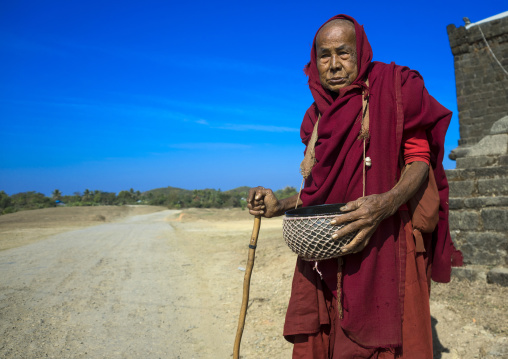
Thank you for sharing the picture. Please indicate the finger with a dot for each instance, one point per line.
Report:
(343, 219)
(355, 245)
(360, 247)
(256, 213)
(359, 242)
(262, 193)
(354, 211)
(363, 212)
(253, 192)
(349, 228)
(250, 197)
(353, 205)
(256, 208)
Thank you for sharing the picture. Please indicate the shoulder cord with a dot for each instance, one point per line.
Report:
(310, 158)
(364, 133)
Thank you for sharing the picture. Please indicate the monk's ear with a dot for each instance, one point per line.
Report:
(306, 69)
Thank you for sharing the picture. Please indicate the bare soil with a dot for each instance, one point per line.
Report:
(25, 227)
(169, 284)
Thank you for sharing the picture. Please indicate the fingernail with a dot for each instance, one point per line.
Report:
(333, 221)
(335, 236)
(344, 208)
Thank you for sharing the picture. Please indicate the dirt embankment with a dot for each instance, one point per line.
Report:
(25, 227)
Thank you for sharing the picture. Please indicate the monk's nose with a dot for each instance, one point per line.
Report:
(335, 64)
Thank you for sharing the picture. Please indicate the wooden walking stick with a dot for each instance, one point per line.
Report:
(246, 285)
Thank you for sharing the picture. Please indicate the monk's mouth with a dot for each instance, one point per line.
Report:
(337, 81)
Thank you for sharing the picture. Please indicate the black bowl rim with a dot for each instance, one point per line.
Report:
(319, 210)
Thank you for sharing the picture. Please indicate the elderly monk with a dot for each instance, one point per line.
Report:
(383, 292)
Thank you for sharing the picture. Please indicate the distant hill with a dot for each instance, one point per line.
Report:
(239, 190)
(175, 190)
(166, 191)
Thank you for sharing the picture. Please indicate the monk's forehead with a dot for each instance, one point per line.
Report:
(345, 26)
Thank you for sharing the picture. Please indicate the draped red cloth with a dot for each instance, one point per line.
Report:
(373, 280)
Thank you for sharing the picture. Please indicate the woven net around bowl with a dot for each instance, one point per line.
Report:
(311, 237)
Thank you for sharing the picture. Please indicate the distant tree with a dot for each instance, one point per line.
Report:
(108, 198)
(98, 197)
(87, 196)
(285, 193)
(31, 200)
(125, 197)
(5, 203)
(57, 195)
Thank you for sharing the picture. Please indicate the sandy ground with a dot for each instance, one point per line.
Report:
(140, 282)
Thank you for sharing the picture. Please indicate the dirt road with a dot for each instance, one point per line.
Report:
(168, 285)
(108, 291)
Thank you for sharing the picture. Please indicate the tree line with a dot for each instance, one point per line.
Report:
(171, 197)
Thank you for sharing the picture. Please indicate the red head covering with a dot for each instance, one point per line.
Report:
(322, 96)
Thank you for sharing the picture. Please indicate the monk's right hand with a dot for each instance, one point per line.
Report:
(262, 202)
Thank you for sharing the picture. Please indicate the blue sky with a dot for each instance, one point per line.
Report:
(112, 95)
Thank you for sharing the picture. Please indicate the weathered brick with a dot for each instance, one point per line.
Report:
(494, 186)
(465, 220)
(485, 248)
(456, 203)
(452, 175)
(498, 276)
(462, 188)
(480, 202)
(492, 172)
(477, 161)
(495, 219)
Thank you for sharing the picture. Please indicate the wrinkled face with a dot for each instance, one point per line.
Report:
(336, 56)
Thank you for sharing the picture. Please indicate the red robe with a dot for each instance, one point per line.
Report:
(373, 280)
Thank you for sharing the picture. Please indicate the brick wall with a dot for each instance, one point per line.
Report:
(482, 86)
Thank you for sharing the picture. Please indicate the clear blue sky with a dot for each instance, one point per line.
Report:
(112, 95)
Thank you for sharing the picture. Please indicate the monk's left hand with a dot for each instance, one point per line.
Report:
(363, 216)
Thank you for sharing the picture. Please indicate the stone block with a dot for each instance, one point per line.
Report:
(462, 188)
(456, 203)
(465, 220)
(493, 186)
(500, 126)
(491, 145)
(485, 248)
(477, 161)
(481, 202)
(495, 219)
(499, 171)
(452, 175)
(498, 276)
